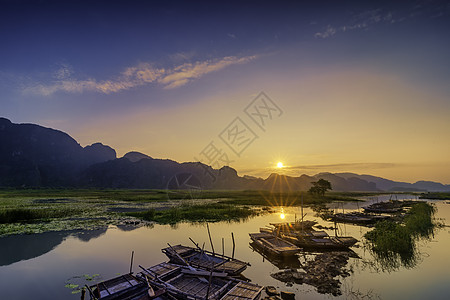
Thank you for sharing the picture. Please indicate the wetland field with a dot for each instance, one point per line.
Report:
(55, 241)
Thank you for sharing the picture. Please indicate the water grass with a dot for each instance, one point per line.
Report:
(436, 196)
(24, 215)
(24, 211)
(394, 243)
(213, 212)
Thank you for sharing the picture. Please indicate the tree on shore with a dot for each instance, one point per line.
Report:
(320, 187)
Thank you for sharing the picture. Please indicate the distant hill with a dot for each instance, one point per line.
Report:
(390, 185)
(35, 156)
(134, 156)
(32, 155)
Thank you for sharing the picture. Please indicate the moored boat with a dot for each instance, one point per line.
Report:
(311, 239)
(388, 207)
(204, 259)
(318, 240)
(191, 283)
(281, 262)
(297, 225)
(358, 218)
(274, 244)
(123, 287)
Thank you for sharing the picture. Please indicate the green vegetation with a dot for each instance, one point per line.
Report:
(265, 198)
(40, 210)
(100, 194)
(436, 196)
(258, 197)
(77, 283)
(193, 213)
(32, 215)
(395, 243)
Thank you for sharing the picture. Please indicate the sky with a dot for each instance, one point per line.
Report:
(321, 86)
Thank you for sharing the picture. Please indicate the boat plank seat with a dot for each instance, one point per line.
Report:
(243, 290)
(193, 286)
(323, 241)
(116, 285)
(163, 269)
(319, 234)
(181, 250)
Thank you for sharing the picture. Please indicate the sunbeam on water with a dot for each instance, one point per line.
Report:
(282, 215)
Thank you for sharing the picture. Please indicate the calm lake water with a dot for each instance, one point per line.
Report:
(39, 266)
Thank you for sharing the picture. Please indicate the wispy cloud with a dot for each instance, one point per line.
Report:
(142, 74)
(352, 166)
(370, 18)
(360, 21)
(311, 169)
(188, 72)
(329, 31)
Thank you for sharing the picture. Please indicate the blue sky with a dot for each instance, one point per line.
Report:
(132, 74)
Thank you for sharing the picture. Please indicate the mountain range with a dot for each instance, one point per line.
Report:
(36, 156)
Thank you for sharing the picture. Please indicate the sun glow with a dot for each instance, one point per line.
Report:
(282, 215)
(280, 165)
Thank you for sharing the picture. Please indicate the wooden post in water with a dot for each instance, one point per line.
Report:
(223, 247)
(335, 228)
(234, 245)
(131, 264)
(210, 240)
(302, 213)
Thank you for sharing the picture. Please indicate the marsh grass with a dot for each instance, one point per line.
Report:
(395, 243)
(24, 211)
(196, 213)
(436, 195)
(24, 215)
(246, 197)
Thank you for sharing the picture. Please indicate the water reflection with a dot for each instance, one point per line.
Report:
(22, 247)
(44, 277)
(323, 271)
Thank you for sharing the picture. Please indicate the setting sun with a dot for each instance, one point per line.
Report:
(280, 165)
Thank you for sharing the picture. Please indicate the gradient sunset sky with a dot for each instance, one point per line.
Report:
(360, 86)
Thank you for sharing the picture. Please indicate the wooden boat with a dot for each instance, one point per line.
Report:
(297, 225)
(311, 239)
(191, 283)
(358, 218)
(317, 240)
(123, 287)
(204, 259)
(281, 262)
(389, 207)
(273, 244)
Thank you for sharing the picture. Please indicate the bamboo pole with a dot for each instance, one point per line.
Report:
(234, 245)
(210, 240)
(196, 245)
(131, 263)
(209, 283)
